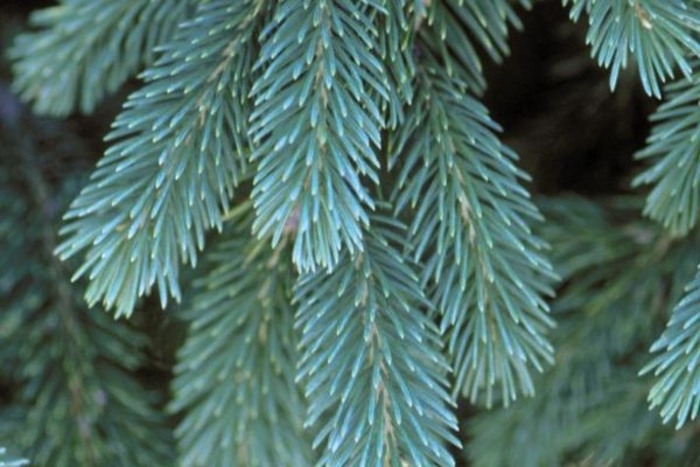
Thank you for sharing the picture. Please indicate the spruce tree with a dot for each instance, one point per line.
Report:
(316, 194)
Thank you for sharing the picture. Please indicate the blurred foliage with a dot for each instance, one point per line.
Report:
(77, 388)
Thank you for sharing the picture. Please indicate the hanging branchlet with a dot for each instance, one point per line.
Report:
(234, 380)
(660, 34)
(105, 41)
(568, 420)
(675, 367)
(484, 268)
(673, 147)
(74, 370)
(371, 361)
(317, 125)
(178, 152)
(457, 31)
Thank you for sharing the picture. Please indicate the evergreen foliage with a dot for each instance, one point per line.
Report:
(567, 419)
(660, 33)
(677, 388)
(373, 252)
(169, 174)
(673, 146)
(388, 381)
(483, 276)
(105, 43)
(455, 27)
(72, 368)
(239, 367)
(316, 125)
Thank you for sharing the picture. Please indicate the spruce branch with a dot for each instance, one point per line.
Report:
(395, 27)
(315, 309)
(178, 151)
(104, 41)
(457, 30)
(674, 147)
(234, 380)
(482, 263)
(560, 428)
(676, 371)
(661, 35)
(600, 330)
(317, 124)
(74, 368)
(489, 22)
(371, 360)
